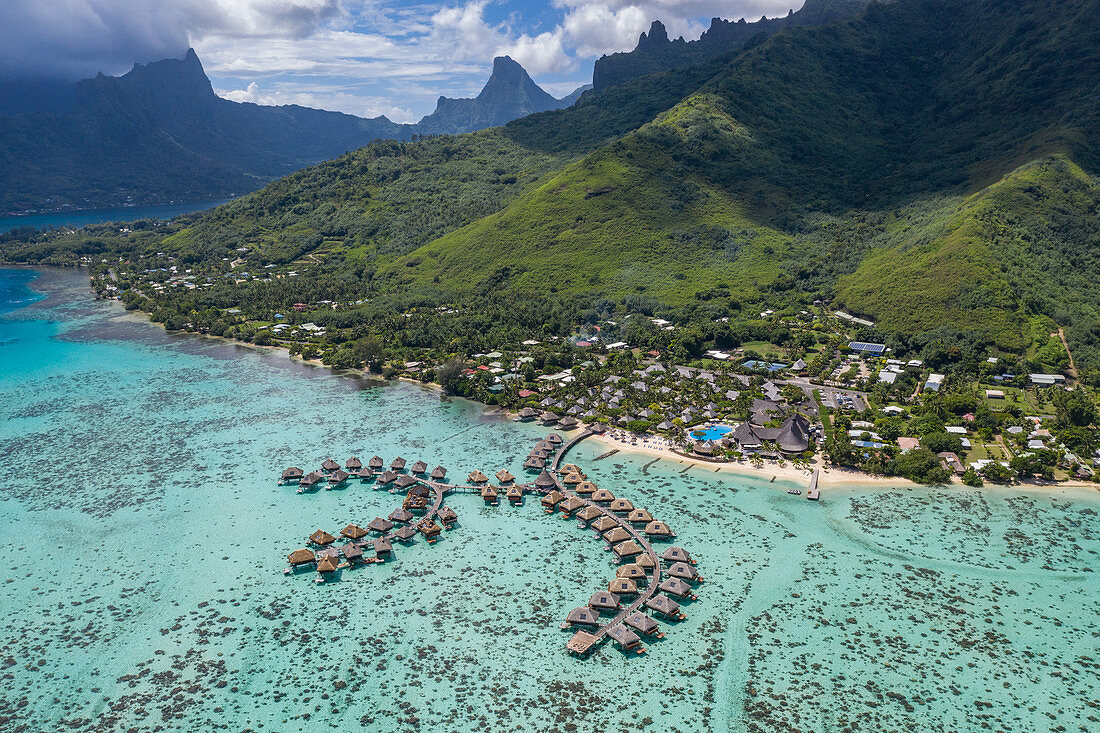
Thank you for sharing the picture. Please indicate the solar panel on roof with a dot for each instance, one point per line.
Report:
(864, 346)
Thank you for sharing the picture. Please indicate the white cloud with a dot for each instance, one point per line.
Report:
(334, 99)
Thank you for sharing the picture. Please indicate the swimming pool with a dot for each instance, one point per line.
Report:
(710, 432)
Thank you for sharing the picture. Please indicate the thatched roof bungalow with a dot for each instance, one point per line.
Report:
(329, 465)
(675, 587)
(570, 505)
(604, 602)
(568, 422)
(624, 637)
(353, 465)
(353, 532)
(548, 418)
(398, 464)
(554, 438)
(405, 481)
(572, 479)
(438, 473)
(447, 515)
(604, 523)
(639, 516)
(551, 500)
(301, 557)
(489, 493)
(646, 562)
(527, 413)
(623, 587)
(401, 514)
(514, 494)
(477, 477)
(630, 548)
(583, 616)
(602, 496)
(376, 463)
(622, 506)
(405, 533)
(504, 476)
(585, 487)
(338, 477)
(352, 552)
(292, 474)
(382, 546)
(321, 537)
(310, 479)
(379, 525)
(545, 480)
(588, 513)
(677, 554)
(683, 571)
(641, 623)
(419, 468)
(631, 570)
(387, 478)
(429, 528)
(327, 565)
(664, 606)
(572, 468)
(658, 529)
(616, 535)
(534, 464)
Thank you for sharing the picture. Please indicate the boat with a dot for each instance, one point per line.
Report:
(796, 492)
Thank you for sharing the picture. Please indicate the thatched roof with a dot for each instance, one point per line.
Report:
(572, 479)
(429, 528)
(380, 525)
(602, 496)
(534, 463)
(418, 490)
(338, 476)
(365, 473)
(404, 533)
(321, 537)
(682, 570)
(545, 480)
(419, 467)
(353, 464)
(604, 523)
(572, 468)
(645, 562)
(514, 492)
(632, 570)
(622, 506)
(488, 491)
(387, 477)
(353, 532)
(589, 513)
(676, 554)
(549, 417)
(538, 453)
(568, 422)
(527, 413)
(311, 478)
(640, 515)
(630, 548)
(624, 636)
(327, 564)
(401, 514)
(438, 473)
(641, 622)
(330, 465)
(552, 498)
(584, 616)
(446, 514)
(604, 599)
(504, 477)
(658, 529)
(616, 534)
(477, 477)
(663, 604)
(292, 473)
(382, 545)
(585, 487)
(301, 557)
(676, 587)
(571, 505)
(623, 587)
(554, 438)
(404, 481)
(376, 462)
(352, 552)
(397, 464)
(581, 642)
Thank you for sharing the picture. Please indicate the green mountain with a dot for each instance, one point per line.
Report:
(929, 164)
(656, 53)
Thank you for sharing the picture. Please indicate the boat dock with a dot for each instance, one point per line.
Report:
(812, 493)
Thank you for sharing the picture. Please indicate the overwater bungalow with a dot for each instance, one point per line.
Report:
(329, 465)
(415, 504)
(604, 523)
(588, 513)
(639, 516)
(665, 606)
(572, 479)
(447, 516)
(633, 571)
(548, 418)
(623, 587)
(365, 474)
(602, 496)
(353, 465)
(387, 478)
(658, 529)
(568, 422)
(551, 500)
(489, 494)
(310, 480)
(622, 506)
(438, 473)
(615, 535)
(301, 557)
(419, 468)
(376, 463)
(643, 624)
(677, 554)
(504, 476)
(585, 487)
(583, 616)
(352, 553)
(683, 571)
(382, 546)
(379, 525)
(630, 548)
(570, 505)
(327, 565)
(291, 474)
(398, 464)
(429, 529)
(527, 413)
(534, 464)
(353, 532)
(604, 602)
(545, 481)
(337, 478)
(625, 638)
(542, 455)
(321, 537)
(646, 562)
(514, 494)
(676, 587)
(572, 468)
(404, 481)
(553, 438)
(406, 533)
(401, 514)
(477, 477)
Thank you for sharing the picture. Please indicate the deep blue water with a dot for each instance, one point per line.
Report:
(98, 216)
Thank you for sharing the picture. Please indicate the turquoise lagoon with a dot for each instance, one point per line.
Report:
(144, 538)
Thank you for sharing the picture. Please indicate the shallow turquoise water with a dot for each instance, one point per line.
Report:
(144, 539)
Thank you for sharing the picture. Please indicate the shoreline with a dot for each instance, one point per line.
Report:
(830, 477)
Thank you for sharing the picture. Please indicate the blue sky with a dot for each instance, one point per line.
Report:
(365, 57)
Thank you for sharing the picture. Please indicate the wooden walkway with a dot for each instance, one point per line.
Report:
(639, 537)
